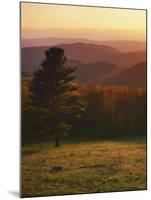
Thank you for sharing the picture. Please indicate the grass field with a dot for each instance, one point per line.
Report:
(86, 167)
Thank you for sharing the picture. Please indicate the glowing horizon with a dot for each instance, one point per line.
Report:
(98, 23)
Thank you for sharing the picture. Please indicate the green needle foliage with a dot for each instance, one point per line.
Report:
(54, 99)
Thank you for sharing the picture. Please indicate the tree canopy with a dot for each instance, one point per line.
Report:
(54, 98)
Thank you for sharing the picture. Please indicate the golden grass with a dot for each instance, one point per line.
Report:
(87, 167)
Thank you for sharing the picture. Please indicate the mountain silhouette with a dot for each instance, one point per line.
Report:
(96, 64)
(84, 53)
(123, 45)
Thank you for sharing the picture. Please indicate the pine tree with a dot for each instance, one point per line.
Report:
(54, 98)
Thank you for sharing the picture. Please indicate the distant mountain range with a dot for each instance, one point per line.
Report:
(84, 53)
(123, 45)
(96, 64)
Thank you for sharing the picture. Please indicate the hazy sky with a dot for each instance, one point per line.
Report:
(44, 20)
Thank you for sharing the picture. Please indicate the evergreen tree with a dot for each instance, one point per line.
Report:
(54, 98)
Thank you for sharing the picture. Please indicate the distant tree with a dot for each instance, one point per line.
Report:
(54, 98)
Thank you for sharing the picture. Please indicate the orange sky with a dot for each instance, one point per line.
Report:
(44, 20)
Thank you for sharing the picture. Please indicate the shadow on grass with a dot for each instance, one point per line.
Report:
(49, 143)
(81, 135)
(135, 140)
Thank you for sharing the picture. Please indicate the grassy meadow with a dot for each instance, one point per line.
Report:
(86, 167)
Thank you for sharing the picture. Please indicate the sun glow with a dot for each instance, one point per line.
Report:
(44, 20)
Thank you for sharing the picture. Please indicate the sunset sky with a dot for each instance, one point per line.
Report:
(47, 20)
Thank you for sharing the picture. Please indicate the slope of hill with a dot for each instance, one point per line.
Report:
(87, 73)
(128, 59)
(134, 76)
(89, 52)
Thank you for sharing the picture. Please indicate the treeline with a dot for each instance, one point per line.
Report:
(114, 111)
(110, 112)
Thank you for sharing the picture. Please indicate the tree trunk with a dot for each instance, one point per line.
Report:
(57, 141)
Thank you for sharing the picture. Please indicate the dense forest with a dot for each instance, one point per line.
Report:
(110, 112)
